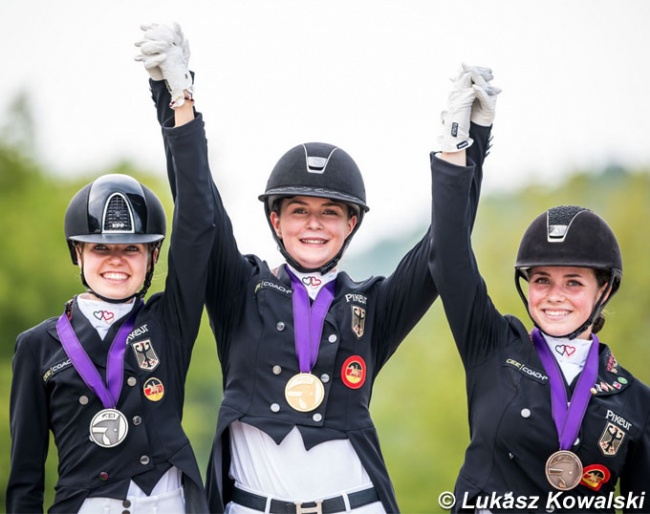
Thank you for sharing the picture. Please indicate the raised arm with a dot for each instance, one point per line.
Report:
(456, 186)
(406, 294)
(165, 55)
(227, 269)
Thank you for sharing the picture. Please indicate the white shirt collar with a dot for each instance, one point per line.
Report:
(102, 314)
(570, 354)
(314, 280)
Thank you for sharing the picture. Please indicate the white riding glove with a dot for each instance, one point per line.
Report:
(483, 109)
(478, 71)
(454, 133)
(165, 54)
(150, 51)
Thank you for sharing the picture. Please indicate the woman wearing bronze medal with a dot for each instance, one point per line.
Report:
(301, 344)
(106, 377)
(556, 423)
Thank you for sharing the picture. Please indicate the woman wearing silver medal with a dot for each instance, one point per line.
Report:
(555, 422)
(300, 345)
(107, 376)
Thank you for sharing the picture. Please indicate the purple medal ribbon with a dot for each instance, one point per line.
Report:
(85, 367)
(308, 320)
(568, 415)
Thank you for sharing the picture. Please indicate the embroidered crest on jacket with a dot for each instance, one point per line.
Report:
(145, 354)
(358, 321)
(611, 439)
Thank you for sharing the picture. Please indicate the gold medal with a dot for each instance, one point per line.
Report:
(564, 470)
(108, 428)
(304, 392)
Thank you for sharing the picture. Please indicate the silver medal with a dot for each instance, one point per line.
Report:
(108, 428)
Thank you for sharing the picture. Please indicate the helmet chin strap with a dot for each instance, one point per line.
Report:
(598, 307)
(112, 300)
(139, 294)
(322, 269)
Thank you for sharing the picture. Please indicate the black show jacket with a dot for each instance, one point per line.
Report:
(48, 394)
(511, 427)
(251, 314)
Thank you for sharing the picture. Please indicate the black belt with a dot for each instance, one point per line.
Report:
(328, 506)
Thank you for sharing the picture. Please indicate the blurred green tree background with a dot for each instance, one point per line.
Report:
(419, 402)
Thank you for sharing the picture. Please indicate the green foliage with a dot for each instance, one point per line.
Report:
(34, 251)
(419, 401)
(17, 129)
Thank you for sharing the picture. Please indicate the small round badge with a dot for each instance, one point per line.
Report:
(153, 389)
(594, 476)
(353, 372)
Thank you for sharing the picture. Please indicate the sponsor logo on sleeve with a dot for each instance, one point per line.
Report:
(528, 371)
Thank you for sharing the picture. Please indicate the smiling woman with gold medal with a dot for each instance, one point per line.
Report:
(301, 345)
(555, 422)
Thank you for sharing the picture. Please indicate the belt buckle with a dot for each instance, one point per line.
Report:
(316, 509)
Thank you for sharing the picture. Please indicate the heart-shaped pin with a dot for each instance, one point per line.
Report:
(311, 281)
(565, 349)
(105, 315)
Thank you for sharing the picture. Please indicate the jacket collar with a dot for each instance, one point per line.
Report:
(96, 347)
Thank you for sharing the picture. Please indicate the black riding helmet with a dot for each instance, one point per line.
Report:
(571, 236)
(115, 209)
(320, 170)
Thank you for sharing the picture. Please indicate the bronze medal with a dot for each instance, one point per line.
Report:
(108, 428)
(564, 470)
(304, 392)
